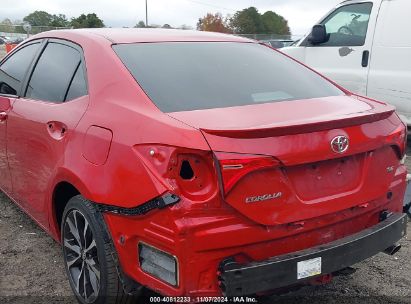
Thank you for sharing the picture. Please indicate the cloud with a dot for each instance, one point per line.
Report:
(301, 14)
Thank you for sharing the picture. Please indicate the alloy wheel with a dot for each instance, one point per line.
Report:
(80, 254)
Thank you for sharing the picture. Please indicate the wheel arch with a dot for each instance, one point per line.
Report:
(66, 186)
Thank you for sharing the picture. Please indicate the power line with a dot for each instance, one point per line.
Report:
(211, 5)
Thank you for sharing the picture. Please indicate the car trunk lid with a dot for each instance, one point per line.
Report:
(307, 178)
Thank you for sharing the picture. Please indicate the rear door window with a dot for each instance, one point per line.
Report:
(78, 86)
(13, 70)
(54, 74)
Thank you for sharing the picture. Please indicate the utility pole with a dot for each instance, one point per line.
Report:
(146, 15)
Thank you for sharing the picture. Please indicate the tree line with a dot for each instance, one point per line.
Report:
(44, 19)
(246, 21)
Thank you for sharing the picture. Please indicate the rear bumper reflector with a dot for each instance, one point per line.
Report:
(158, 263)
(281, 271)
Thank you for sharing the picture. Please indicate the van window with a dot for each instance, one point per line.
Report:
(347, 25)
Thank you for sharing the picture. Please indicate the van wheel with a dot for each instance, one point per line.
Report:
(88, 255)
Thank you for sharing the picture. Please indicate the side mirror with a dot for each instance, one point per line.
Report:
(318, 34)
(5, 104)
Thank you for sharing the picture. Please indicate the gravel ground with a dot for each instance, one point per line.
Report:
(31, 270)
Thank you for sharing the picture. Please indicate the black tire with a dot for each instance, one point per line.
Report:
(99, 265)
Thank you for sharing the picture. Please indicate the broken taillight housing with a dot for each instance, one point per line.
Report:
(234, 166)
(399, 138)
(186, 172)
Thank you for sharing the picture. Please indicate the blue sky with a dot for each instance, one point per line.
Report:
(302, 14)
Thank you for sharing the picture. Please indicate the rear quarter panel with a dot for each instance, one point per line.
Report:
(118, 105)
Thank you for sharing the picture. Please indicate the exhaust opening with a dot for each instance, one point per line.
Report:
(392, 249)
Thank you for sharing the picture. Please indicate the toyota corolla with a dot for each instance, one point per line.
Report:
(195, 164)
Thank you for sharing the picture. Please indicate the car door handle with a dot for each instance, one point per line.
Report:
(3, 116)
(365, 58)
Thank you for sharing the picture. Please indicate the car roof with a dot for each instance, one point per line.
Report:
(132, 35)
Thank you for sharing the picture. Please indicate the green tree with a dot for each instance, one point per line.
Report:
(141, 24)
(39, 18)
(59, 20)
(87, 21)
(275, 24)
(250, 21)
(213, 23)
(247, 21)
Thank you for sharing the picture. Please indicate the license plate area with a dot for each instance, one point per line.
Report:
(326, 178)
(309, 268)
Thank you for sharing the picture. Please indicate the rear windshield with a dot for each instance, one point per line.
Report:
(185, 76)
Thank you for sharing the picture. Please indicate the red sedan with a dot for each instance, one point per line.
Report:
(195, 164)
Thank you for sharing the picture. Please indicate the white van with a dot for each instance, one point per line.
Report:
(365, 46)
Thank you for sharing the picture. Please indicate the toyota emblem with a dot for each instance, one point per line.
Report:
(339, 144)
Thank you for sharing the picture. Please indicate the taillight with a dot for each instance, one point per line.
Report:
(399, 138)
(233, 166)
(186, 172)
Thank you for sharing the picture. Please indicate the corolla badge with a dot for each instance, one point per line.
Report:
(339, 144)
(264, 197)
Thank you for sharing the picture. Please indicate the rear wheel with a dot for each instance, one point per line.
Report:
(89, 255)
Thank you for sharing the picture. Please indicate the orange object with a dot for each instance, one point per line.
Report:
(10, 47)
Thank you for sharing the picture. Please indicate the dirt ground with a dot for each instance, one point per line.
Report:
(31, 270)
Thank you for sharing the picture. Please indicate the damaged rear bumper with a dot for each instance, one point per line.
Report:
(281, 271)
